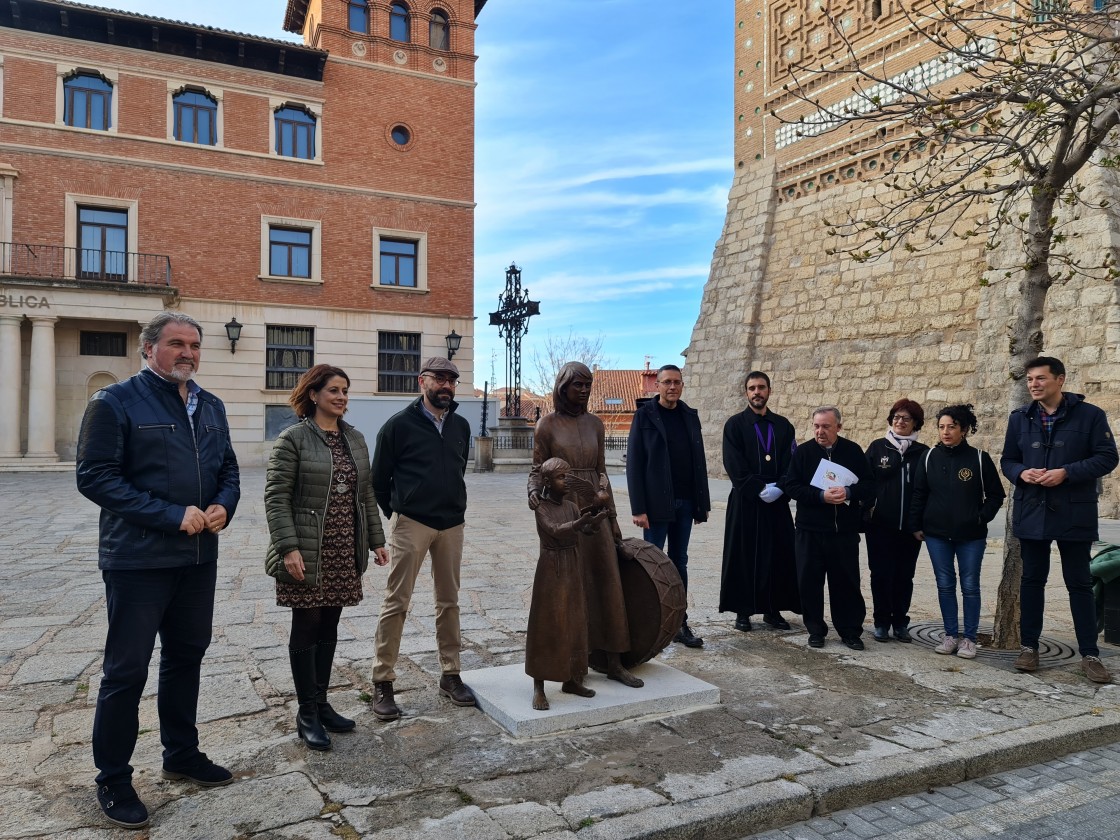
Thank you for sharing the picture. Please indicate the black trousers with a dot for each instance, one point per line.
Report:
(822, 556)
(1079, 585)
(178, 605)
(892, 557)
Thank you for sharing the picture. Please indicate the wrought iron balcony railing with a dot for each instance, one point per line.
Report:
(58, 262)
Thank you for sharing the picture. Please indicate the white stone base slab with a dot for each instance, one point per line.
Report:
(505, 694)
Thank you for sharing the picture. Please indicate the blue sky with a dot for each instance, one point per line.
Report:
(604, 156)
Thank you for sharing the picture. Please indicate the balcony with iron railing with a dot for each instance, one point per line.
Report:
(59, 262)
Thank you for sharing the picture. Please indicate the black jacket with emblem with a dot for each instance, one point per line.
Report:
(957, 492)
(815, 514)
(296, 490)
(894, 483)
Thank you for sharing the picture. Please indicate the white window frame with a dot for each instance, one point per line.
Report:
(70, 233)
(421, 240)
(275, 103)
(215, 94)
(64, 70)
(316, 228)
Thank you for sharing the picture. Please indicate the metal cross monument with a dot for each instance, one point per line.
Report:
(512, 320)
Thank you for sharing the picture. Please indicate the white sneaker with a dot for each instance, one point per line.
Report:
(948, 646)
(966, 649)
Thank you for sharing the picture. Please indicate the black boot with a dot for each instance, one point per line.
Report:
(308, 726)
(332, 721)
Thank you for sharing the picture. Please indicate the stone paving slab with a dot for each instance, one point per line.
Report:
(796, 732)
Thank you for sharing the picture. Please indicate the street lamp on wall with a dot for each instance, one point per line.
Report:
(453, 340)
(233, 333)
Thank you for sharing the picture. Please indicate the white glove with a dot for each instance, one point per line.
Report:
(770, 493)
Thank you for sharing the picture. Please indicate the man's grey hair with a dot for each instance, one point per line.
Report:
(154, 328)
(824, 409)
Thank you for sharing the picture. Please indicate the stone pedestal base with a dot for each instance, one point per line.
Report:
(484, 454)
(505, 694)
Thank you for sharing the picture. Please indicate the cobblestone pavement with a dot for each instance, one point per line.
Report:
(1071, 798)
(798, 732)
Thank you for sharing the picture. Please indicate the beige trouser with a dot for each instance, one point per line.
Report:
(408, 543)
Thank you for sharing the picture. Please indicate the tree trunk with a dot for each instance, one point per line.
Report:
(1025, 343)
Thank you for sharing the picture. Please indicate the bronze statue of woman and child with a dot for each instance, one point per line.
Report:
(581, 587)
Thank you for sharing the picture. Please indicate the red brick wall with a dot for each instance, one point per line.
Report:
(202, 207)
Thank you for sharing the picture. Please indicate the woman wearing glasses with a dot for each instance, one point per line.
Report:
(892, 549)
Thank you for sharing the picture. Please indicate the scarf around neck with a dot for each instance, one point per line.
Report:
(901, 442)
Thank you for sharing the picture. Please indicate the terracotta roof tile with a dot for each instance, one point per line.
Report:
(615, 391)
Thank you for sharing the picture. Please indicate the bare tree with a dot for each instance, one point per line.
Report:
(987, 139)
(557, 350)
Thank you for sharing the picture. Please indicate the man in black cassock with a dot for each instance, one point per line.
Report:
(759, 574)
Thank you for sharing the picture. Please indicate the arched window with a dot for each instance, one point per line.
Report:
(439, 33)
(399, 22)
(295, 132)
(359, 16)
(196, 117)
(88, 101)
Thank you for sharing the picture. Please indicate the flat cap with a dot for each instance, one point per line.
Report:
(438, 364)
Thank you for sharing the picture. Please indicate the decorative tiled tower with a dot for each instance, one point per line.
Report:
(827, 329)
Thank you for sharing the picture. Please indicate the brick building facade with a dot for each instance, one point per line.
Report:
(320, 194)
(830, 330)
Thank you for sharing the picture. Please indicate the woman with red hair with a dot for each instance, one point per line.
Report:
(892, 550)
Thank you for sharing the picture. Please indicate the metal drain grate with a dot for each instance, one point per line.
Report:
(1051, 652)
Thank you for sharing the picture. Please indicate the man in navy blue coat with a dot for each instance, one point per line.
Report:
(1056, 449)
(154, 453)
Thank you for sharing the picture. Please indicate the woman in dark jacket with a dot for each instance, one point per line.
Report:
(322, 523)
(892, 550)
(957, 492)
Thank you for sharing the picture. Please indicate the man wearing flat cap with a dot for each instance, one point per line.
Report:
(418, 469)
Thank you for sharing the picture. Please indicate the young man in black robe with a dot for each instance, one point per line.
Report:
(758, 560)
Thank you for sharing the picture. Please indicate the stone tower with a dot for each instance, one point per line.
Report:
(830, 330)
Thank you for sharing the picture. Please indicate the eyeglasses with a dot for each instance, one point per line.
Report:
(671, 383)
(902, 418)
(439, 379)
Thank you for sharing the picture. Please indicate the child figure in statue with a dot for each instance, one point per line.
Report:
(556, 644)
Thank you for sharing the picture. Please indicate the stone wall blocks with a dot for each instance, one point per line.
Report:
(1085, 356)
(952, 302)
(1059, 339)
(1098, 296)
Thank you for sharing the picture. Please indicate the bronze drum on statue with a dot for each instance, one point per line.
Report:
(655, 601)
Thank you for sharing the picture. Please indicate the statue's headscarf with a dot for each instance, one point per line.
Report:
(568, 374)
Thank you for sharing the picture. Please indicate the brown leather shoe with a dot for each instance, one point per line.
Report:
(1028, 660)
(451, 686)
(1094, 669)
(384, 706)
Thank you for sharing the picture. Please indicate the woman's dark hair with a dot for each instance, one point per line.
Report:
(962, 415)
(910, 407)
(314, 380)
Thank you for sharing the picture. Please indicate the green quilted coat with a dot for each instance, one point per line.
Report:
(296, 489)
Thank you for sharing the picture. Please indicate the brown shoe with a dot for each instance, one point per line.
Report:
(1094, 669)
(1028, 660)
(384, 707)
(451, 686)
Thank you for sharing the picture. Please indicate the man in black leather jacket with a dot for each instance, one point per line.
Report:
(154, 453)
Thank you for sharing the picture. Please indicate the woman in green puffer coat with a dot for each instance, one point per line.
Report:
(322, 524)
